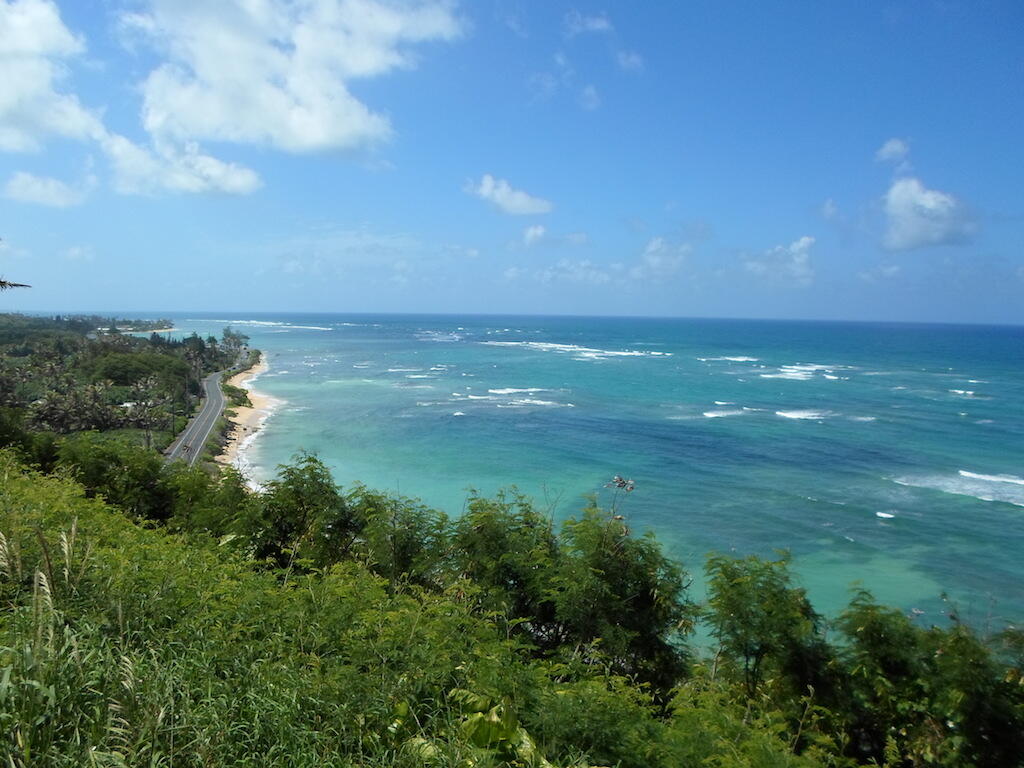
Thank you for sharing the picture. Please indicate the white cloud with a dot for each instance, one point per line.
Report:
(511, 201)
(534, 234)
(33, 46)
(660, 259)
(34, 27)
(629, 61)
(919, 217)
(893, 150)
(590, 98)
(829, 209)
(34, 43)
(139, 170)
(513, 273)
(791, 261)
(566, 270)
(265, 72)
(42, 190)
(577, 23)
(277, 73)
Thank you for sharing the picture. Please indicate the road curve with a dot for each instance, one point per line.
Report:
(189, 444)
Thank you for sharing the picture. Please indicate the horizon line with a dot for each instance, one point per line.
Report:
(155, 314)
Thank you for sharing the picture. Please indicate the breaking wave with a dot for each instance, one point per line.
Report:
(809, 415)
(731, 359)
(578, 352)
(1008, 489)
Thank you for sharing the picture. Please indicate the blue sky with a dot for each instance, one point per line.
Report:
(783, 160)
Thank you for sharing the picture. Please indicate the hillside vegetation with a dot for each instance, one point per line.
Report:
(160, 615)
(308, 626)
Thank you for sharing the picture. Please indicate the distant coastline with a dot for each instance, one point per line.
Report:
(147, 331)
(247, 421)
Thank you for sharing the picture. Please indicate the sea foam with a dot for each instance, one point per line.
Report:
(438, 336)
(992, 478)
(730, 358)
(1008, 489)
(811, 415)
(802, 371)
(578, 352)
(514, 391)
(275, 324)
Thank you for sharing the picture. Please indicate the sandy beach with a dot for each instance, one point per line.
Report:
(247, 421)
(148, 331)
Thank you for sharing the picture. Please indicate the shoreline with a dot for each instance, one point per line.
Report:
(149, 330)
(247, 421)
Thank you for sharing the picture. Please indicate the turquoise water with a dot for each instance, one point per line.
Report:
(889, 455)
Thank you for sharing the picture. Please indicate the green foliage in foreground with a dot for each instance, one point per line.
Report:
(307, 626)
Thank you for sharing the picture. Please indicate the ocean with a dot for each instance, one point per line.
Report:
(882, 456)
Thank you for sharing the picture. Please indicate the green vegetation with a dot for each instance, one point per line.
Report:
(307, 625)
(162, 615)
(63, 375)
(236, 396)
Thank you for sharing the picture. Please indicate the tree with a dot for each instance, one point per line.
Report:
(12, 429)
(127, 475)
(760, 619)
(511, 550)
(402, 540)
(303, 516)
(57, 409)
(147, 404)
(234, 340)
(935, 696)
(625, 593)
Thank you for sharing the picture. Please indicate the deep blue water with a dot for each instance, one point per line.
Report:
(884, 454)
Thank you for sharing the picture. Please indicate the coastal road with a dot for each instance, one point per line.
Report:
(189, 444)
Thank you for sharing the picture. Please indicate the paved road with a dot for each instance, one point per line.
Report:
(189, 445)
